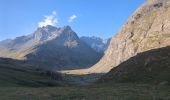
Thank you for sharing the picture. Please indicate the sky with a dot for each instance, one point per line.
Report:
(102, 18)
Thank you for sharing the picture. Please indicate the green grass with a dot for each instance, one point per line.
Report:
(96, 92)
(22, 82)
(14, 73)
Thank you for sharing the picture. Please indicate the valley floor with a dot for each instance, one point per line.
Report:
(95, 92)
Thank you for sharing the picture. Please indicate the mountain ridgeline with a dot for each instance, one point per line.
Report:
(51, 48)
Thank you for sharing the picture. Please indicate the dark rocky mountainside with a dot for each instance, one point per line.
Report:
(97, 43)
(148, 67)
(51, 48)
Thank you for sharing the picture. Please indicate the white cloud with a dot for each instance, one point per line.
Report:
(72, 18)
(49, 20)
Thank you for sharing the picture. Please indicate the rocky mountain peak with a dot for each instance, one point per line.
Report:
(47, 28)
(50, 32)
(67, 27)
(51, 48)
(42, 34)
(67, 31)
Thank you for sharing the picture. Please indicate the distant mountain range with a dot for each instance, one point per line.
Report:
(97, 43)
(51, 48)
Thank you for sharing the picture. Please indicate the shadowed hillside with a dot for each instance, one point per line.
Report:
(152, 66)
(17, 73)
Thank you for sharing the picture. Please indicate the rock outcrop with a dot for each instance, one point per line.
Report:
(96, 43)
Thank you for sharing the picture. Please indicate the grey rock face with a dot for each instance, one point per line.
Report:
(98, 44)
(148, 28)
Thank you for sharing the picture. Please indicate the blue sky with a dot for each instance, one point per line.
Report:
(102, 18)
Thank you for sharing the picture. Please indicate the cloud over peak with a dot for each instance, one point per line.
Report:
(72, 18)
(49, 20)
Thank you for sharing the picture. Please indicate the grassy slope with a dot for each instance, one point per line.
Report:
(23, 82)
(148, 67)
(97, 92)
(15, 73)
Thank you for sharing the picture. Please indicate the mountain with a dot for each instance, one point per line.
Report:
(97, 43)
(148, 28)
(51, 48)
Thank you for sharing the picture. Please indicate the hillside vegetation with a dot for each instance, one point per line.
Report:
(16, 73)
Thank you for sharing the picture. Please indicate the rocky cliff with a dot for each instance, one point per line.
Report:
(148, 28)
